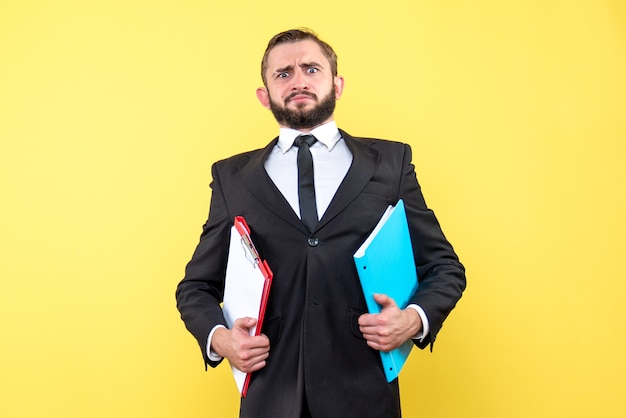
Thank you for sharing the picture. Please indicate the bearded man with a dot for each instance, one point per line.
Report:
(317, 355)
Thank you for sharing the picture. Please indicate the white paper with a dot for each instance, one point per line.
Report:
(243, 290)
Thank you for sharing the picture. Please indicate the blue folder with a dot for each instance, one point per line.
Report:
(386, 265)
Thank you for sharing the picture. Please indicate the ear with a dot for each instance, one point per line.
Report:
(338, 84)
(263, 96)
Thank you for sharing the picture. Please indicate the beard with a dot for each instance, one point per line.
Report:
(300, 118)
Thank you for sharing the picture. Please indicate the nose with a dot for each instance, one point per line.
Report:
(299, 81)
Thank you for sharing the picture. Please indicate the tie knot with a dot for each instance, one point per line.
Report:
(305, 139)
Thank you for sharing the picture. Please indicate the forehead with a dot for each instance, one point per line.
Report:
(291, 53)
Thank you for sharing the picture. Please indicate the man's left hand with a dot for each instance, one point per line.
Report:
(391, 327)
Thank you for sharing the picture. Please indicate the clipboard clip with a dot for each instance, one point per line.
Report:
(251, 252)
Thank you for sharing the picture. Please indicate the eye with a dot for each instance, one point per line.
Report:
(312, 70)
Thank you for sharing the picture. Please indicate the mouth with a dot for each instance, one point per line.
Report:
(300, 96)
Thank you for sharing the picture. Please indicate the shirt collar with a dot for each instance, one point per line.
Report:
(328, 134)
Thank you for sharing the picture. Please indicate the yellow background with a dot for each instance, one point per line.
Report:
(111, 114)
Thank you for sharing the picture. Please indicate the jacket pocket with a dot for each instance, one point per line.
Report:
(272, 328)
(353, 316)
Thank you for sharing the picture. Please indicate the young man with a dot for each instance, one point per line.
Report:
(317, 356)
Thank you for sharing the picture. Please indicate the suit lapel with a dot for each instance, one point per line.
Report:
(365, 159)
(261, 186)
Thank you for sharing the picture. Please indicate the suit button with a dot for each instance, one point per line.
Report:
(313, 241)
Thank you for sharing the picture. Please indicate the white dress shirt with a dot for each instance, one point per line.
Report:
(331, 162)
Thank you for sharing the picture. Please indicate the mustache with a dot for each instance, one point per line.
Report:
(300, 93)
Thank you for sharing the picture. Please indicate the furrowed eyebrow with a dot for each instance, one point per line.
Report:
(284, 69)
(311, 64)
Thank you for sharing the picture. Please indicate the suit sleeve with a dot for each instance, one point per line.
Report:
(440, 274)
(199, 294)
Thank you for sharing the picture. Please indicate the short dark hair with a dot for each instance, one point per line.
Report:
(296, 35)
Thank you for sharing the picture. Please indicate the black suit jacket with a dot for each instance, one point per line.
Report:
(316, 299)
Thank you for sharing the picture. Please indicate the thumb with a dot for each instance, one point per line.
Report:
(384, 301)
(245, 323)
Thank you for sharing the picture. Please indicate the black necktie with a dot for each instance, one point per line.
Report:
(306, 190)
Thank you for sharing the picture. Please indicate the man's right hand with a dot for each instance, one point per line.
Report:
(246, 353)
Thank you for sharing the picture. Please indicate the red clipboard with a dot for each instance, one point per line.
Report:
(247, 286)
